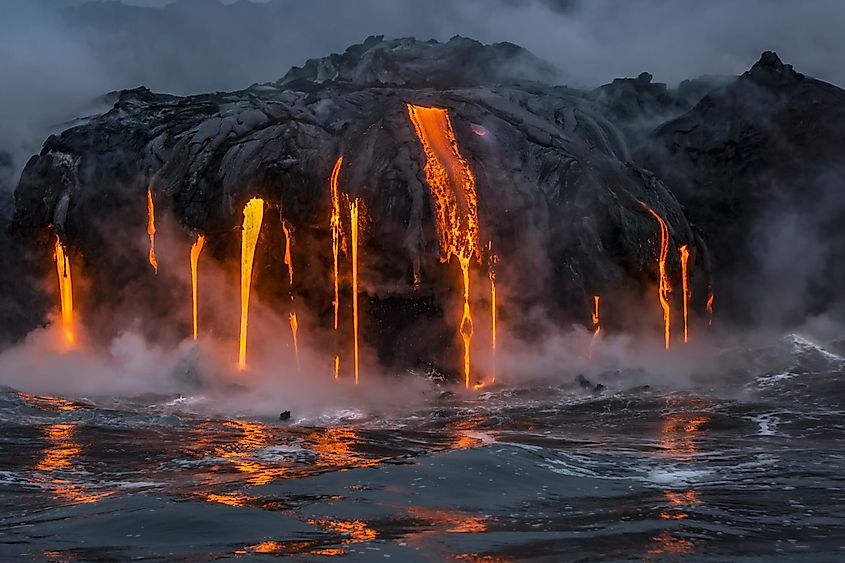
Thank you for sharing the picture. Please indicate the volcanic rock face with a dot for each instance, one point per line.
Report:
(759, 166)
(566, 208)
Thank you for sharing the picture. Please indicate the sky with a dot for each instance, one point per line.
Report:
(59, 55)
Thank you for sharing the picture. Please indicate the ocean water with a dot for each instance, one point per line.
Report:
(751, 471)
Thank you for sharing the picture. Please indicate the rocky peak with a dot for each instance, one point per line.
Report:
(770, 71)
(408, 62)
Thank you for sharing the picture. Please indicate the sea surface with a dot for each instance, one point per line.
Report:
(751, 470)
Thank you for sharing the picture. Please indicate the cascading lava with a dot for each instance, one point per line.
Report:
(151, 229)
(353, 218)
(196, 250)
(65, 292)
(491, 273)
(663, 287)
(294, 327)
(452, 186)
(253, 217)
(288, 258)
(710, 299)
(596, 322)
(335, 226)
(684, 251)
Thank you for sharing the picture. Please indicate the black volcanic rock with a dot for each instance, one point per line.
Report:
(759, 165)
(557, 193)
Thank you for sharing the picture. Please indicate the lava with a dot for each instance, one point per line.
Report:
(710, 298)
(452, 186)
(353, 217)
(664, 287)
(684, 250)
(151, 229)
(596, 322)
(294, 326)
(196, 249)
(491, 273)
(65, 292)
(288, 242)
(253, 217)
(334, 223)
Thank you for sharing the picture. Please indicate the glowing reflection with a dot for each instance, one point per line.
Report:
(357, 530)
(60, 458)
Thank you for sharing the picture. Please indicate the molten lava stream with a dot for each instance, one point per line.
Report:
(664, 287)
(710, 299)
(684, 250)
(334, 223)
(151, 229)
(65, 292)
(253, 217)
(294, 326)
(288, 257)
(353, 216)
(196, 249)
(493, 259)
(452, 186)
(595, 319)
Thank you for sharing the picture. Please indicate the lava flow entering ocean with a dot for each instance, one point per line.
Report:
(65, 292)
(151, 229)
(664, 287)
(452, 186)
(253, 217)
(196, 249)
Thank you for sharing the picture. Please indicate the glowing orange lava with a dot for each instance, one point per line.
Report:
(452, 186)
(151, 229)
(253, 217)
(294, 326)
(196, 249)
(664, 287)
(710, 306)
(335, 227)
(65, 292)
(685, 280)
(595, 319)
(491, 273)
(288, 259)
(353, 216)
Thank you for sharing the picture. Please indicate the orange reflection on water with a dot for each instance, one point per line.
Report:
(60, 457)
(357, 530)
(306, 547)
(666, 543)
(48, 404)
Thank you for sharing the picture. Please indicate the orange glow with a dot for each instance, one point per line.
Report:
(353, 216)
(491, 273)
(151, 229)
(452, 186)
(685, 279)
(710, 306)
(65, 293)
(357, 530)
(288, 242)
(336, 367)
(294, 326)
(196, 249)
(335, 227)
(664, 287)
(253, 217)
(595, 319)
(61, 456)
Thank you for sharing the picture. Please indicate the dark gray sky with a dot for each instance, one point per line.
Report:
(57, 55)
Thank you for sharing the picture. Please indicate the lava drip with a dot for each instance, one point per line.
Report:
(253, 217)
(491, 273)
(65, 292)
(710, 299)
(335, 225)
(596, 322)
(151, 229)
(452, 186)
(664, 288)
(353, 217)
(294, 326)
(196, 249)
(684, 250)
(288, 258)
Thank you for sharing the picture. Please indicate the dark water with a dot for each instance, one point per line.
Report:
(751, 471)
